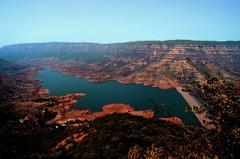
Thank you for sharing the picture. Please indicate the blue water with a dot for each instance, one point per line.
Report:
(99, 94)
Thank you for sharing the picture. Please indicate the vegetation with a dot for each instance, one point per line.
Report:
(28, 135)
(126, 136)
(222, 102)
(114, 136)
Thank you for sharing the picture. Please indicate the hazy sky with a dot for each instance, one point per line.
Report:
(108, 21)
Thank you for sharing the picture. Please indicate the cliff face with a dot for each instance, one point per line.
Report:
(152, 63)
(25, 120)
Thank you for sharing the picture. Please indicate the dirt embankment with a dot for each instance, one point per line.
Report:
(193, 102)
(65, 113)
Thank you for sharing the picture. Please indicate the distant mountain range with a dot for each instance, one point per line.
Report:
(68, 50)
(178, 60)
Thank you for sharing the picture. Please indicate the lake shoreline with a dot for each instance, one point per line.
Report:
(163, 97)
(193, 102)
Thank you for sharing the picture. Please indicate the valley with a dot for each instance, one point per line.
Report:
(163, 64)
(58, 105)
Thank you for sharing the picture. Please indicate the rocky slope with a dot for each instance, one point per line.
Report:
(33, 125)
(163, 64)
(27, 118)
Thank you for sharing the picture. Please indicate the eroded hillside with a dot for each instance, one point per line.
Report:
(162, 64)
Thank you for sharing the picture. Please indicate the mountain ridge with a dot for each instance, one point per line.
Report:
(179, 41)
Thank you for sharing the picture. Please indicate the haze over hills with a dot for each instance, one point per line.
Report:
(55, 49)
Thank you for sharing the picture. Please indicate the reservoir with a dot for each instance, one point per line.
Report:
(98, 94)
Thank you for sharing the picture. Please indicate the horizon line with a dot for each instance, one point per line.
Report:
(108, 43)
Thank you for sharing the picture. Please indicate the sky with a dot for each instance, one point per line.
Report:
(110, 21)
